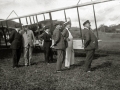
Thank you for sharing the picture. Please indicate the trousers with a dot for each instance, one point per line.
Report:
(89, 58)
(28, 55)
(60, 59)
(16, 56)
(48, 54)
(69, 59)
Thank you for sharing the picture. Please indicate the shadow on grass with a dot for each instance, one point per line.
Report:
(97, 55)
(36, 63)
(54, 61)
(19, 66)
(32, 64)
(5, 53)
(103, 65)
(81, 63)
(37, 50)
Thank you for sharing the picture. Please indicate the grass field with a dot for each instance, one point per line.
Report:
(40, 76)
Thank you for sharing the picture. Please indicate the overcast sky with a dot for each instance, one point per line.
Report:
(106, 13)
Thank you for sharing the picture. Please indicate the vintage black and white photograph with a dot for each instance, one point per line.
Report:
(59, 44)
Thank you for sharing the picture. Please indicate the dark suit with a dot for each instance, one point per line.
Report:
(59, 45)
(66, 35)
(47, 46)
(16, 45)
(90, 44)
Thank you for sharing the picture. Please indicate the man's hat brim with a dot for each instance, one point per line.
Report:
(86, 22)
(17, 25)
(46, 27)
(58, 23)
(67, 23)
(24, 25)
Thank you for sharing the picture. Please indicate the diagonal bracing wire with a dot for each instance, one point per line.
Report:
(11, 13)
(78, 2)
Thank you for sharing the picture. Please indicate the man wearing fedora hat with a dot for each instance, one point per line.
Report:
(59, 45)
(28, 44)
(16, 44)
(90, 44)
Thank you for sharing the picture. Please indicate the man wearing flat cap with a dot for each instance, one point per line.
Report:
(59, 45)
(28, 44)
(16, 44)
(90, 44)
(46, 36)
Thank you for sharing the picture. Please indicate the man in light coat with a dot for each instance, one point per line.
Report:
(28, 44)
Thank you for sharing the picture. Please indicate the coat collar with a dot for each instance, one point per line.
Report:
(86, 28)
(46, 32)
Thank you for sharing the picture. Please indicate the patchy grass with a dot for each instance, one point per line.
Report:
(40, 76)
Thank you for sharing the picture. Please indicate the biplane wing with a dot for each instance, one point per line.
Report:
(59, 9)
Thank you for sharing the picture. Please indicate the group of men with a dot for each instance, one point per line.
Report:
(58, 40)
(22, 40)
(62, 41)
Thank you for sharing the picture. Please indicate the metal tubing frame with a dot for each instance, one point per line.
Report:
(2, 24)
(44, 17)
(7, 31)
(95, 21)
(5, 38)
(7, 27)
(4, 34)
(20, 22)
(36, 18)
(33, 19)
(30, 20)
(37, 21)
(37, 24)
(65, 15)
(6, 24)
(2, 31)
(79, 23)
(26, 20)
(51, 20)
